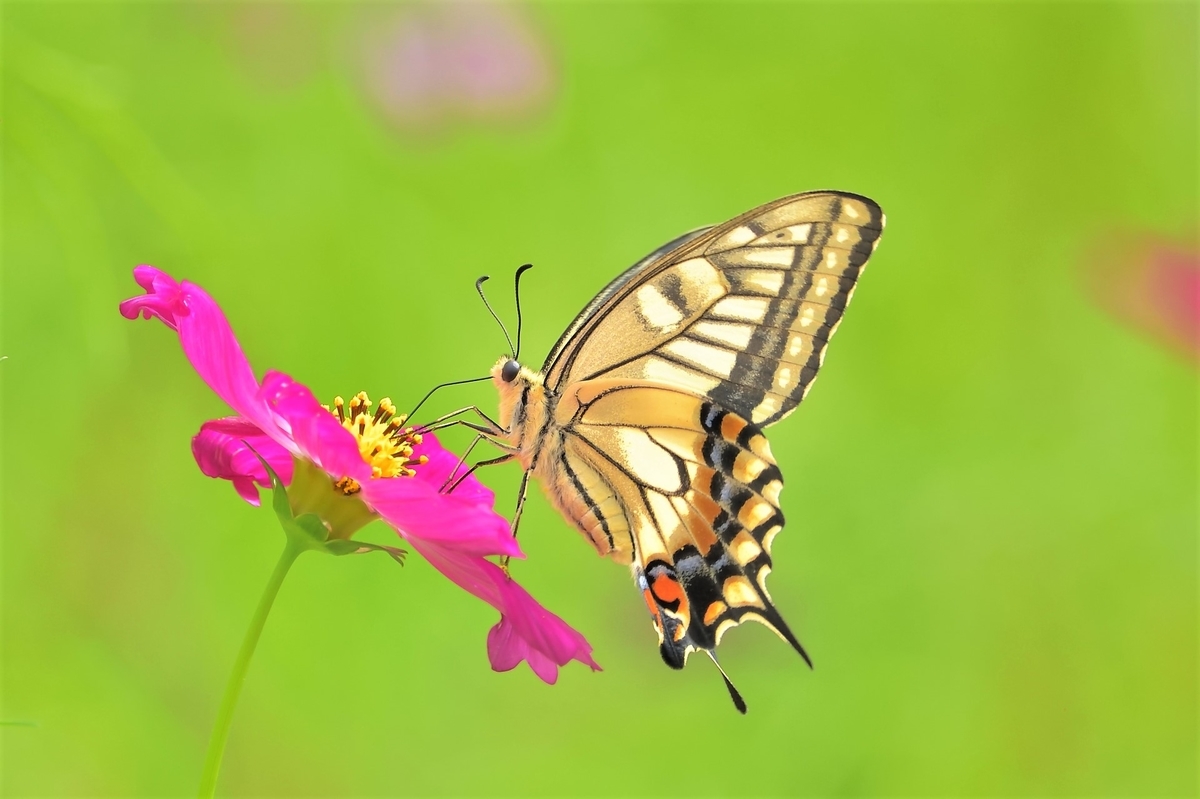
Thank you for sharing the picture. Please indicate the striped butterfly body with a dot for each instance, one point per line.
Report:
(645, 426)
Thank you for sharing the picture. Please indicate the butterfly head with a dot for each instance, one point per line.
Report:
(521, 392)
(510, 374)
(510, 370)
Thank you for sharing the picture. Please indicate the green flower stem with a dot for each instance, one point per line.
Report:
(233, 689)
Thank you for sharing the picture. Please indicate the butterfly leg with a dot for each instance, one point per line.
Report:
(462, 461)
(516, 522)
(508, 456)
(449, 420)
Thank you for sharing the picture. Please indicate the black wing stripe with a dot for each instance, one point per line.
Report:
(733, 386)
(633, 478)
(857, 254)
(722, 565)
(765, 366)
(762, 342)
(590, 314)
(633, 547)
(781, 313)
(741, 285)
(587, 498)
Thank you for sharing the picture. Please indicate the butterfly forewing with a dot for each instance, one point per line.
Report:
(741, 313)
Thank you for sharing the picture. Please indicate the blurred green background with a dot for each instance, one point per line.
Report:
(992, 548)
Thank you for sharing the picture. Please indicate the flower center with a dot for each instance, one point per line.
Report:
(383, 440)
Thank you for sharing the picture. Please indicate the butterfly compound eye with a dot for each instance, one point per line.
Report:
(509, 372)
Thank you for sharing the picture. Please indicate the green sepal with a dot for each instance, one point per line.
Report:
(311, 527)
(305, 531)
(343, 546)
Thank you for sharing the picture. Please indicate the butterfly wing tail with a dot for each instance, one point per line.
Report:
(731, 514)
(694, 493)
(694, 600)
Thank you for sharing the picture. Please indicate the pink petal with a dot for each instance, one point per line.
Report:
(527, 631)
(420, 513)
(506, 650)
(163, 298)
(539, 630)
(208, 342)
(441, 464)
(222, 449)
(317, 433)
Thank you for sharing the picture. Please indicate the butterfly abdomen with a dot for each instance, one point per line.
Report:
(585, 498)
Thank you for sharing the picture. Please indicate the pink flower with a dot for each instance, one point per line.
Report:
(350, 466)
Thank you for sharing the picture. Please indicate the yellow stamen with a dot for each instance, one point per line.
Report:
(383, 440)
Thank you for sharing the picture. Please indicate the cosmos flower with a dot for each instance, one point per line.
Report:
(350, 465)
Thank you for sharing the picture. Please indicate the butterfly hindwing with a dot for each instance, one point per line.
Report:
(741, 312)
(696, 510)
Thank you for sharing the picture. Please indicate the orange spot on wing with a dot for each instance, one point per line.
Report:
(651, 604)
(704, 503)
(655, 616)
(699, 527)
(667, 589)
(714, 612)
(732, 426)
(747, 467)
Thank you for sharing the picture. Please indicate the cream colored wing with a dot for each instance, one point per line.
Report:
(740, 313)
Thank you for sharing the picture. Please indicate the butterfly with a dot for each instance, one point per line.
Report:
(646, 424)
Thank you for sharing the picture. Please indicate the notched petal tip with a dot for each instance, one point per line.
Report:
(553, 645)
(506, 650)
(163, 299)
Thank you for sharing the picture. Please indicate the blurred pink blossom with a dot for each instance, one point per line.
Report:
(430, 63)
(1149, 283)
(278, 45)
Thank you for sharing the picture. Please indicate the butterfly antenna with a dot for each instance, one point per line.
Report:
(738, 702)
(439, 387)
(479, 287)
(517, 290)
